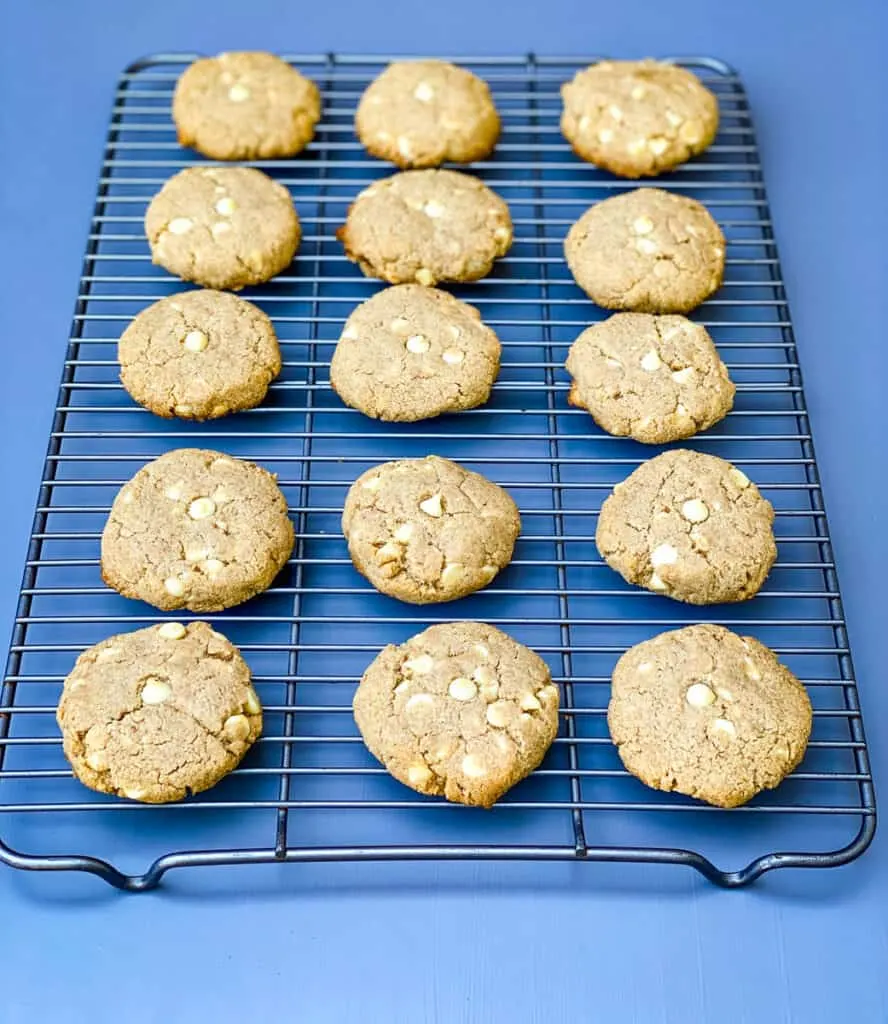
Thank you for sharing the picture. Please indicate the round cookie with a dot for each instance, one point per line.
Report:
(421, 113)
(199, 355)
(427, 226)
(427, 530)
(637, 118)
(647, 250)
(410, 353)
(653, 378)
(707, 713)
(690, 526)
(222, 227)
(196, 529)
(159, 713)
(245, 106)
(461, 711)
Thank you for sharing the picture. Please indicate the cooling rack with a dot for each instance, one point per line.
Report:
(309, 791)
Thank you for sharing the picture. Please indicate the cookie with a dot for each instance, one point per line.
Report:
(196, 529)
(421, 113)
(159, 713)
(637, 118)
(707, 713)
(427, 530)
(690, 526)
(461, 711)
(647, 250)
(654, 378)
(199, 355)
(222, 227)
(245, 106)
(411, 353)
(427, 226)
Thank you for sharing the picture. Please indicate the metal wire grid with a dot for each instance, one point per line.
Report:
(309, 790)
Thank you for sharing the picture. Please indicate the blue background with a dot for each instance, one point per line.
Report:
(451, 943)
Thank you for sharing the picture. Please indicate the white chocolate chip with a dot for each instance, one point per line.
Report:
(650, 361)
(724, 726)
(433, 209)
(172, 631)
(433, 506)
(453, 356)
(646, 246)
(455, 332)
(212, 566)
(134, 794)
(417, 344)
(403, 533)
(424, 276)
(155, 691)
(419, 774)
(614, 364)
(645, 667)
(642, 225)
(605, 135)
(424, 92)
(584, 122)
(752, 669)
(684, 376)
(174, 586)
(238, 93)
(663, 554)
(419, 703)
(252, 702)
(658, 145)
(201, 508)
(221, 227)
(372, 484)
(615, 112)
(699, 695)
(420, 665)
(488, 572)
(97, 761)
(389, 552)
(503, 234)
(483, 650)
(673, 118)
(529, 703)
(349, 333)
(405, 147)
(656, 583)
(195, 341)
(127, 497)
(483, 675)
(196, 554)
(180, 225)
(237, 727)
(691, 132)
(681, 411)
(473, 767)
(399, 325)
(499, 713)
(226, 206)
(695, 511)
(739, 478)
(725, 693)
(638, 93)
(462, 689)
(452, 573)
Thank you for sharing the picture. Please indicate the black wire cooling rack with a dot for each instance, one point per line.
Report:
(309, 790)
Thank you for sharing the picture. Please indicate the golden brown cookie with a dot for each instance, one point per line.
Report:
(689, 526)
(222, 227)
(245, 106)
(705, 712)
(421, 113)
(427, 530)
(160, 713)
(647, 250)
(637, 118)
(199, 355)
(196, 529)
(461, 711)
(410, 353)
(654, 378)
(427, 226)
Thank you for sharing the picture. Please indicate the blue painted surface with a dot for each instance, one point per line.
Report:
(472, 943)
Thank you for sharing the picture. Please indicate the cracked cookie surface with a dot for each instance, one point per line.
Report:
(222, 227)
(460, 710)
(647, 251)
(653, 378)
(244, 106)
(159, 713)
(637, 118)
(196, 529)
(705, 712)
(427, 530)
(411, 353)
(422, 113)
(427, 226)
(199, 355)
(689, 526)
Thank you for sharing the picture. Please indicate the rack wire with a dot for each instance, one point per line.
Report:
(309, 791)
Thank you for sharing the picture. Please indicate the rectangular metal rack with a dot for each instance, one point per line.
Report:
(309, 790)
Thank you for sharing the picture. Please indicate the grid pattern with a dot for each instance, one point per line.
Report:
(309, 790)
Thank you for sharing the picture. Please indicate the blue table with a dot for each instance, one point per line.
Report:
(516, 943)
